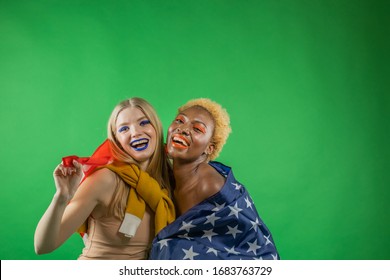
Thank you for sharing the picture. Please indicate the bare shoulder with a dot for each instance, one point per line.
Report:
(100, 183)
(210, 182)
(103, 176)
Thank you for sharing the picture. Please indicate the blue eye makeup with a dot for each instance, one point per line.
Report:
(144, 122)
(123, 128)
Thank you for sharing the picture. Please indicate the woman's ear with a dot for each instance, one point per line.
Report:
(210, 148)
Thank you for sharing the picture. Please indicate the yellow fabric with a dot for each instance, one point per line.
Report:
(143, 189)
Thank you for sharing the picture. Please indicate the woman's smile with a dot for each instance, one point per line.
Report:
(180, 142)
(139, 144)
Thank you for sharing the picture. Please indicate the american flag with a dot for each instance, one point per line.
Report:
(225, 226)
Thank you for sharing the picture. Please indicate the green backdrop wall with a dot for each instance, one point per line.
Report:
(305, 83)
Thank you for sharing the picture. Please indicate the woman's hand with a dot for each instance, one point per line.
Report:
(67, 180)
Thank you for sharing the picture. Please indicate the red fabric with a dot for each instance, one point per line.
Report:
(101, 156)
(68, 161)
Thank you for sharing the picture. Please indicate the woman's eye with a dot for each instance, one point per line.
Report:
(199, 129)
(144, 122)
(179, 120)
(123, 128)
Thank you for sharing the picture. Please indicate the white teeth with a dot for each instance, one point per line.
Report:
(140, 142)
(181, 141)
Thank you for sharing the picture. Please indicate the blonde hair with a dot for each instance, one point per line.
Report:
(221, 119)
(158, 167)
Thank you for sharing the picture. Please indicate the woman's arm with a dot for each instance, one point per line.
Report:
(70, 206)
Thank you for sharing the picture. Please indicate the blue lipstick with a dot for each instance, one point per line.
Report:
(139, 144)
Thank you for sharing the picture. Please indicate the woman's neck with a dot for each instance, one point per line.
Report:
(186, 173)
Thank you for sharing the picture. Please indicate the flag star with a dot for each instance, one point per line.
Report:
(163, 243)
(261, 258)
(274, 257)
(248, 203)
(238, 186)
(255, 224)
(185, 236)
(187, 226)
(209, 234)
(234, 210)
(232, 251)
(211, 219)
(253, 247)
(268, 241)
(212, 250)
(218, 206)
(233, 231)
(189, 254)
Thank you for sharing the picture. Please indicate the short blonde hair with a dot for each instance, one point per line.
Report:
(221, 119)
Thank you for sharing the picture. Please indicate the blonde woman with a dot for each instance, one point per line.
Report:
(217, 218)
(123, 199)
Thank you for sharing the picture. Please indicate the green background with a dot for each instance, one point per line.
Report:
(305, 83)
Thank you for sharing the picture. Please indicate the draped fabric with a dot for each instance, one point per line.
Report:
(101, 156)
(224, 226)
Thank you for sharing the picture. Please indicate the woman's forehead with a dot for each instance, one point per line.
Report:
(197, 111)
(130, 114)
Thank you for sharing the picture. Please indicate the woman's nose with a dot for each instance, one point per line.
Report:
(183, 129)
(135, 131)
